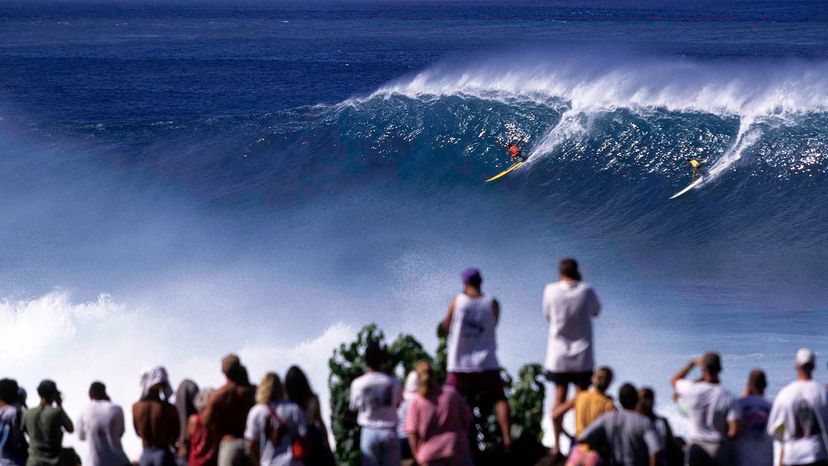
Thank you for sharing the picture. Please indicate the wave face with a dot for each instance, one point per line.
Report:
(608, 143)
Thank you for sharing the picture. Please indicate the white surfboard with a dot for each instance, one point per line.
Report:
(688, 188)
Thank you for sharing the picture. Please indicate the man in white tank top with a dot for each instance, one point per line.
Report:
(473, 367)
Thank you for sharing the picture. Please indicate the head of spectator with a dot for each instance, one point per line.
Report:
(48, 392)
(426, 382)
(757, 383)
(201, 400)
(711, 366)
(270, 389)
(568, 270)
(374, 356)
(97, 392)
(297, 386)
(602, 379)
(9, 392)
(155, 383)
(805, 363)
(628, 397)
(234, 371)
(472, 279)
(646, 402)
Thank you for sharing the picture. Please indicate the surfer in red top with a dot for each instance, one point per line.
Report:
(515, 154)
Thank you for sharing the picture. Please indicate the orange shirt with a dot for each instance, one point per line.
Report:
(588, 406)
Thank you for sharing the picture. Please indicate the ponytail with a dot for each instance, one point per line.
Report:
(425, 377)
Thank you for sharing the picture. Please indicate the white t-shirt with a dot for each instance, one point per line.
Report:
(102, 424)
(471, 340)
(283, 420)
(569, 308)
(753, 446)
(709, 407)
(375, 396)
(798, 417)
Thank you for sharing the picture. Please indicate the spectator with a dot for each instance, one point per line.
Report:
(798, 416)
(671, 452)
(438, 422)
(203, 445)
(298, 390)
(588, 405)
(12, 442)
(156, 420)
(569, 305)
(102, 424)
(226, 412)
(45, 424)
(473, 368)
(276, 427)
(185, 405)
(629, 437)
(376, 396)
(710, 408)
(752, 445)
(410, 391)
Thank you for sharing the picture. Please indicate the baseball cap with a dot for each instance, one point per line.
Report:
(471, 276)
(805, 357)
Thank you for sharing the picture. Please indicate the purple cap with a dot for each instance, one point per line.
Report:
(471, 276)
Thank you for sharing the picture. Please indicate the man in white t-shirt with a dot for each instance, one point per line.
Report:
(375, 396)
(752, 446)
(569, 305)
(710, 409)
(102, 424)
(799, 415)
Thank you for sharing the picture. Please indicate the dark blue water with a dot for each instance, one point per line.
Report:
(293, 170)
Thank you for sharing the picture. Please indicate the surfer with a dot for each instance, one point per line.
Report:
(696, 165)
(515, 154)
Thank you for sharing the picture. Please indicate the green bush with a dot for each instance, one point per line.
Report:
(525, 398)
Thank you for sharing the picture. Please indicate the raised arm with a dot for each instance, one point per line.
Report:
(683, 372)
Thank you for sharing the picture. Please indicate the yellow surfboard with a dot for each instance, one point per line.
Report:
(505, 172)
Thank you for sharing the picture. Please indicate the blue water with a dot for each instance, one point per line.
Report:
(286, 168)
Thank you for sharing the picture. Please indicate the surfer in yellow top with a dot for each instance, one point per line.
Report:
(515, 154)
(696, 165)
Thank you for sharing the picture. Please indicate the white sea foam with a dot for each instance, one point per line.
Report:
(74, 343)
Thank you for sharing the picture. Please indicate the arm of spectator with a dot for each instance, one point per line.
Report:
(682, 373)
(410, 426)
(596, 303)
(414, 443)
(120, 424)
(776, 421)
(496, 311)
(68, 426)
(734, 421)
(252, 432)
(446, 324)
(653, 445)
(559, 412)
(175, 422)
(82, 427)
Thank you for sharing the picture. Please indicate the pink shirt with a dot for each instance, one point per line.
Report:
(442, 423)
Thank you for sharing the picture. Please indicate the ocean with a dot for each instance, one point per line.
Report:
(183, 179)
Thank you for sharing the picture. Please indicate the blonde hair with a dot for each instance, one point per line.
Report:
(425, 377)
(270, 389)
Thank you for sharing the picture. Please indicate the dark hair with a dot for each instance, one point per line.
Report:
(9, 391)
(569, 268)
(628, 396)
(297, 387)
(758, 380)
(97, 391)
(712, 363)
(374, 355)
(646, 401)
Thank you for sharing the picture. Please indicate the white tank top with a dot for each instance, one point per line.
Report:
(471, 339)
